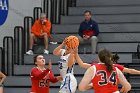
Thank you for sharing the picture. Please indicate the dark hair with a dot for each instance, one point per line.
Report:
(115, 58)
(35, 57)
(105, 56)
(87, 11)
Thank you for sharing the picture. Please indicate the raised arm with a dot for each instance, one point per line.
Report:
(127, 70)
(131, 71)
(71, 60)
(52, 78)
(47, 26)
(80, 62)
(122, 80)
(57, 50)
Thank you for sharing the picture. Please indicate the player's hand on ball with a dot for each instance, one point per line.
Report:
(64, 42)
(76, 50)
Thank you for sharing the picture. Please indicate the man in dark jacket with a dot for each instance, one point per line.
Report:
(88, 31)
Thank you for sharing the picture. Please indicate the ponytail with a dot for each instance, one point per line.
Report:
(105, 56)
(108, 64)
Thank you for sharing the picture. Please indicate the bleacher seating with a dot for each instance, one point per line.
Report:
(124, 58)
(106, 3)
(113, 28)
(114, 47)
(105, 37)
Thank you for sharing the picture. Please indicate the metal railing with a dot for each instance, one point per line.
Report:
(71, 3)
(55, 8)
(18, 45)
(13, 49)
(52, 10)
(8, 54)
(2, 63)
(28, 22)
(47, 4)
(1, 58)
(36, 13)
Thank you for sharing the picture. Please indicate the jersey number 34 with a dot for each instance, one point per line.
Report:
(105, 80)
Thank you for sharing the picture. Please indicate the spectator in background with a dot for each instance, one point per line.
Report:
(40, 29)
(41, 77)
(88, 31)
(2, 78)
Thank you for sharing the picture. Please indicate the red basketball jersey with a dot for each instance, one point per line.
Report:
(104, 81)
(40, 84)
(120, 67)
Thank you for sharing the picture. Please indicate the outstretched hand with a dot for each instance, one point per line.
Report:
(50, 64)
(124, 90)
(59, 78)
(90, 85)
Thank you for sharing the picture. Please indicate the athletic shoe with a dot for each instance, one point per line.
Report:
(46, 51)
(30, 52)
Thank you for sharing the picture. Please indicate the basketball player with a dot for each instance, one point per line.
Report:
(68, 57)
(41, 77)
(2, 78)
(115, 59)
(104, 76)
(122, 68)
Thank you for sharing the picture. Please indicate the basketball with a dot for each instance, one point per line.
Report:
(72, 42)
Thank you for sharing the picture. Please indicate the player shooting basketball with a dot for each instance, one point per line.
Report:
(68, 57)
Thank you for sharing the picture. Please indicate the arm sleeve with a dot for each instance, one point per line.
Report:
(47, 27)
(35, 28)
(35, 73)
(96, 29)
(80, 32)
(120, 67)
(52, 78)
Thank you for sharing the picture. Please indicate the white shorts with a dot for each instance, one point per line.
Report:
(69, 84)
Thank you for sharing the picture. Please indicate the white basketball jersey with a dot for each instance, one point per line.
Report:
(63, 64)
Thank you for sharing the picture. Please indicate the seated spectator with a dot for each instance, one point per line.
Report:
(88, 31)
(40, 29)
(2, 78)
